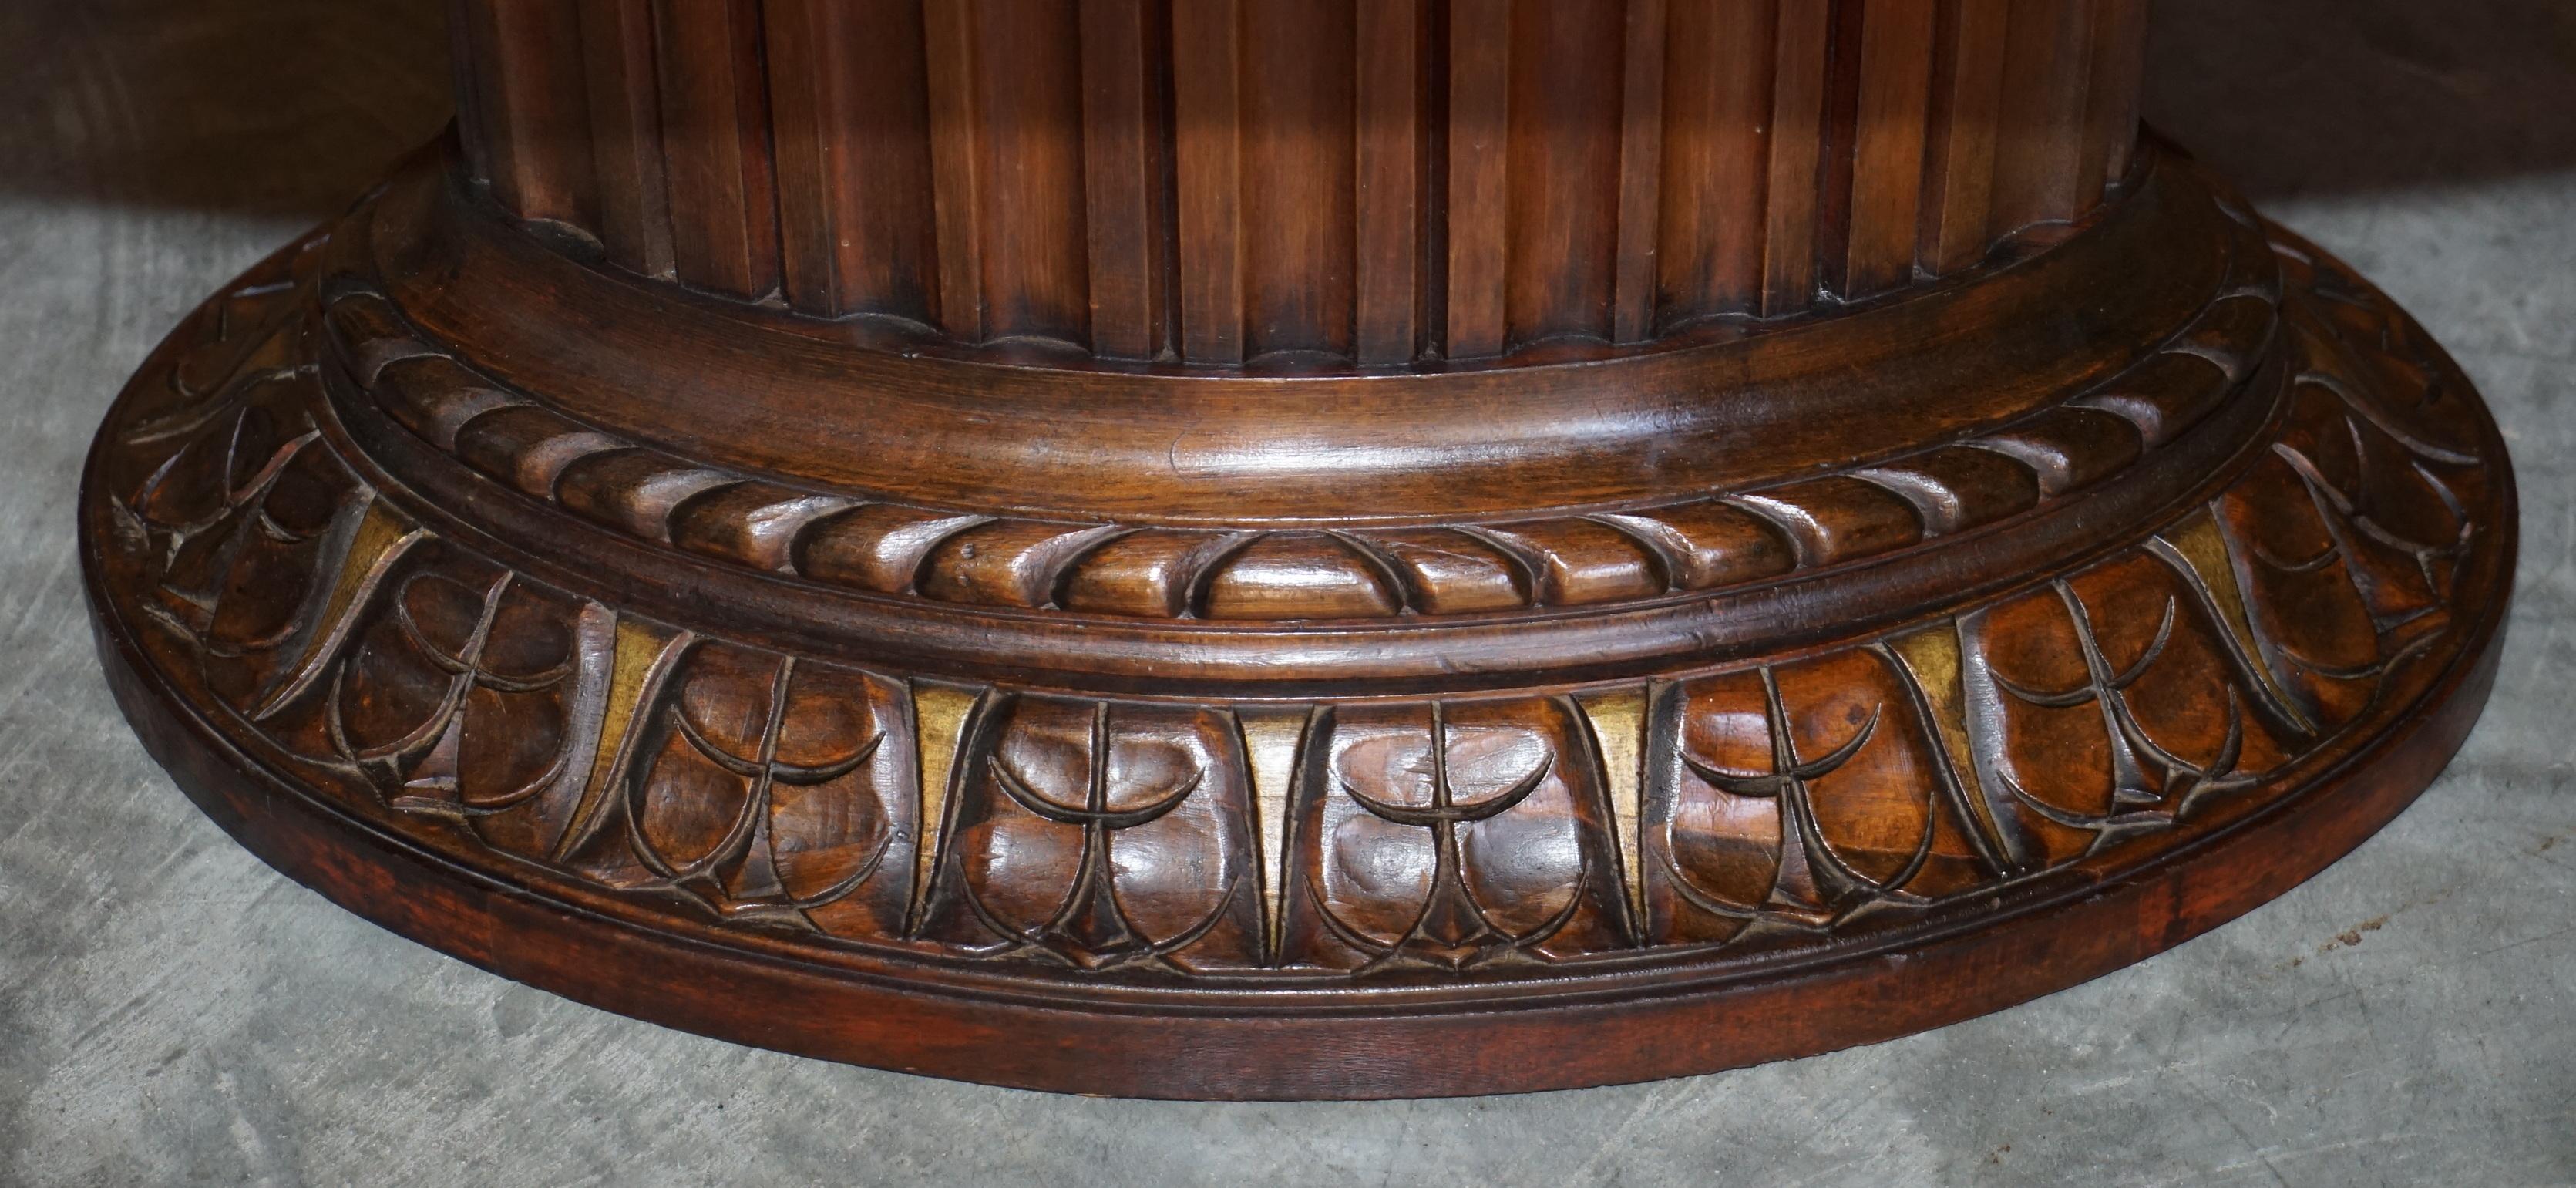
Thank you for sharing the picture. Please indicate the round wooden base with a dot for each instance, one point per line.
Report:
(503, 602)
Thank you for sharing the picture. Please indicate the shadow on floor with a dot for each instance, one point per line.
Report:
(2315, 97)
(265, 107)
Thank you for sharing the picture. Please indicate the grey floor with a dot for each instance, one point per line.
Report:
(171, 1011)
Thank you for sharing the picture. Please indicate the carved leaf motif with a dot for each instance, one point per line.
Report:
(1794, 797)
(1881, 813)
(2109, 705)
(2193, 719)
(444, 699)
(765, 788)
(1103, 836)
(258, 578)
(2314, 627)
(1712, 853)
(1453, 837)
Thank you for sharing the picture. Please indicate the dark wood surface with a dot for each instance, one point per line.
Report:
(1153, 711)
(1219, 181)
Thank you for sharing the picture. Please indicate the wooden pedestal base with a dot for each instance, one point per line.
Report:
(1582, 716)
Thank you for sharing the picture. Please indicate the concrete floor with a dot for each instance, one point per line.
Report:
(171, 1011)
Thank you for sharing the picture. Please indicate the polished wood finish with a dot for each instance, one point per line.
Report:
(1246, 548)
(1220, 181)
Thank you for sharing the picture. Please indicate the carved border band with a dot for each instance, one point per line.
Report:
(965, 556)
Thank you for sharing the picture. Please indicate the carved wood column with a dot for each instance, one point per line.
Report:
(1222, 182)
(1291, 548)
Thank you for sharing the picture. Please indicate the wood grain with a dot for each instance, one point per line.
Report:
(1333, 185)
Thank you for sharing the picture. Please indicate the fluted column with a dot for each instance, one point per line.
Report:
(1375, 181)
